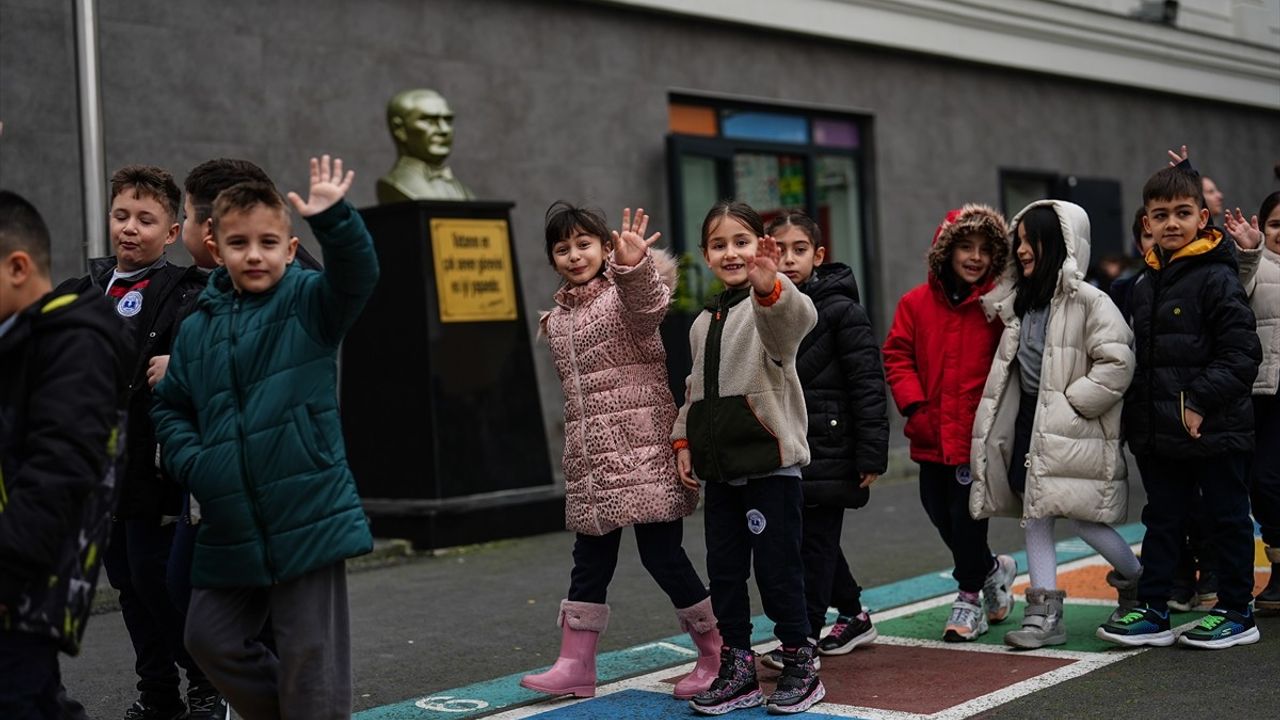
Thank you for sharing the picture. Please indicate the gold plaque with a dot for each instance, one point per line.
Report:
(474, 281)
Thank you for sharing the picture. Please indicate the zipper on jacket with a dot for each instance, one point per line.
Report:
(1156, 282)
(244, 447)
(582, 424)
(711, 379)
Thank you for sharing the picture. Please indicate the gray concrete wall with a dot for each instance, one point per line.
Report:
(564, 100)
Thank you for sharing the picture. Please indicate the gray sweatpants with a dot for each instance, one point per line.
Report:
(311, 677)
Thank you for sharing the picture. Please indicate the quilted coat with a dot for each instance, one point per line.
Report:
(247, 416)
(1075, 467)
(937, 354)
(619, 468)
(1260, 275)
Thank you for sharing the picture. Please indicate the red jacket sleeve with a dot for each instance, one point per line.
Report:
(900, 357)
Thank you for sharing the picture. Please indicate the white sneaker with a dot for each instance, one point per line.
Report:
(997, 591)
(966, 623)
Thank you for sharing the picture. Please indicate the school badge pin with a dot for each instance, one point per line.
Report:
(130, 304)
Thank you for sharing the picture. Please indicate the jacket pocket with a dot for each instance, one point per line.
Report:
(742, 444)
(917, 427)
(306, 424)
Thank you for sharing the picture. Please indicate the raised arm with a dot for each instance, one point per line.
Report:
(783, 314)
(643, 290)
(332, 301)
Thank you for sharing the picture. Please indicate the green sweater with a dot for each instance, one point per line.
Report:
(247, 416)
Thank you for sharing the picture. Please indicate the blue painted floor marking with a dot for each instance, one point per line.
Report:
(644, 705)
(504, 693)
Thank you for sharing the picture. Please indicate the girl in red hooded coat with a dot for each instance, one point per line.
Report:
(936, 360)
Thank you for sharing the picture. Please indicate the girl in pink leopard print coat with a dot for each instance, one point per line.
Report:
(619, 467)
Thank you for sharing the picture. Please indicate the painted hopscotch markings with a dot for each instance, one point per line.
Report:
(868, 683)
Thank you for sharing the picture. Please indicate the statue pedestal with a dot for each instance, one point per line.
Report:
(440, 403)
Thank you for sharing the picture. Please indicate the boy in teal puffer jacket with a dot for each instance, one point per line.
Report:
(247, 417)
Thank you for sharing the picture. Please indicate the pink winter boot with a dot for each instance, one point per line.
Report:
(700, 622)
(574, 672)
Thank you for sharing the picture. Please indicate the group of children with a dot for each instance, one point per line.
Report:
(179, 426)
(205, 396)
(1020, 382)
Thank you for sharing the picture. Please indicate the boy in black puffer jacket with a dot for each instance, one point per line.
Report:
(1188, 416)
(840, 368)
(59, 422)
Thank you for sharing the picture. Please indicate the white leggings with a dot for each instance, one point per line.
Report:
(1042, 559)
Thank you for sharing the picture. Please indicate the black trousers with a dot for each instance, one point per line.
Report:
(29, 677)
(827, 579)
(1196, 548)
(944, 492)
(136, 561)
(760, 520)
(661, 552)
(1223, 503)
(1264, 476)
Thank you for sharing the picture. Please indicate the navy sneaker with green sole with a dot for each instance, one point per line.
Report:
(1222, 629)
(1140, 626)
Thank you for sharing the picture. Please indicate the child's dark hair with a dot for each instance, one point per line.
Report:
(211, 177)
(795, 218)
(564, 220)
(1138, 229)
(243, 197)
(22, 228)
(1269, 204)
(739, 211)
(1043, 229)
(1171, 183)
(149, 181)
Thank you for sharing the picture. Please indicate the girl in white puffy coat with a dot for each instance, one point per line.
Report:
(1046, 439)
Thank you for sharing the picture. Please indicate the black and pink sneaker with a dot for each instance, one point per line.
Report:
(736, 686)
(849, 632)
(799, 687)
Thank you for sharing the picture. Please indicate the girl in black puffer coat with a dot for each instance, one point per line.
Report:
(843, 378)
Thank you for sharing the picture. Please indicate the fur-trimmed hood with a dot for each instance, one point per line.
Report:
(972, 218)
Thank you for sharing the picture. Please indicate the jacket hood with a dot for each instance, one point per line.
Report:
(972, 218)
(58, 310)
(1074, 222)
(831, 279)
(1209, 247)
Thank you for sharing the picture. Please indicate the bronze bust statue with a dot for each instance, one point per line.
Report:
(421, 124)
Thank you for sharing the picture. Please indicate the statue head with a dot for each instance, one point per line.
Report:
(421, 123)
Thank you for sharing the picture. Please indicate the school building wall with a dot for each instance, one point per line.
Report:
(568, 100)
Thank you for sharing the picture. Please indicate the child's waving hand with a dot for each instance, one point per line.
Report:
(328, 186)
(764, 270)
(630, 244)
(1246, 234)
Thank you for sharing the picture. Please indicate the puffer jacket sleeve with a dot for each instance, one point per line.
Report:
(900, 358)
(784, 320)
(1237, 349)
(332, 299)
(64, 454)
(859, 356)
(1248, 260)
(174, 415)
(1109, 343)
(643, 294)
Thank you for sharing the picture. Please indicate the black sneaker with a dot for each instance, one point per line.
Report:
(1222, 629)
(145, 709)
(206, 703)
(1140, 626)
(776, 660)
(736, 686)
(847, 634)
(1207, 587)
(799, 687)
(1184, 598)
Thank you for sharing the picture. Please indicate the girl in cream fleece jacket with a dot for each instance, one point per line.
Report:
(742, 430)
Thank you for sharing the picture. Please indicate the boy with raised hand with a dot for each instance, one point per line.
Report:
(61, 382)
(148, 293)
(248, 418)
(1188, 415)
